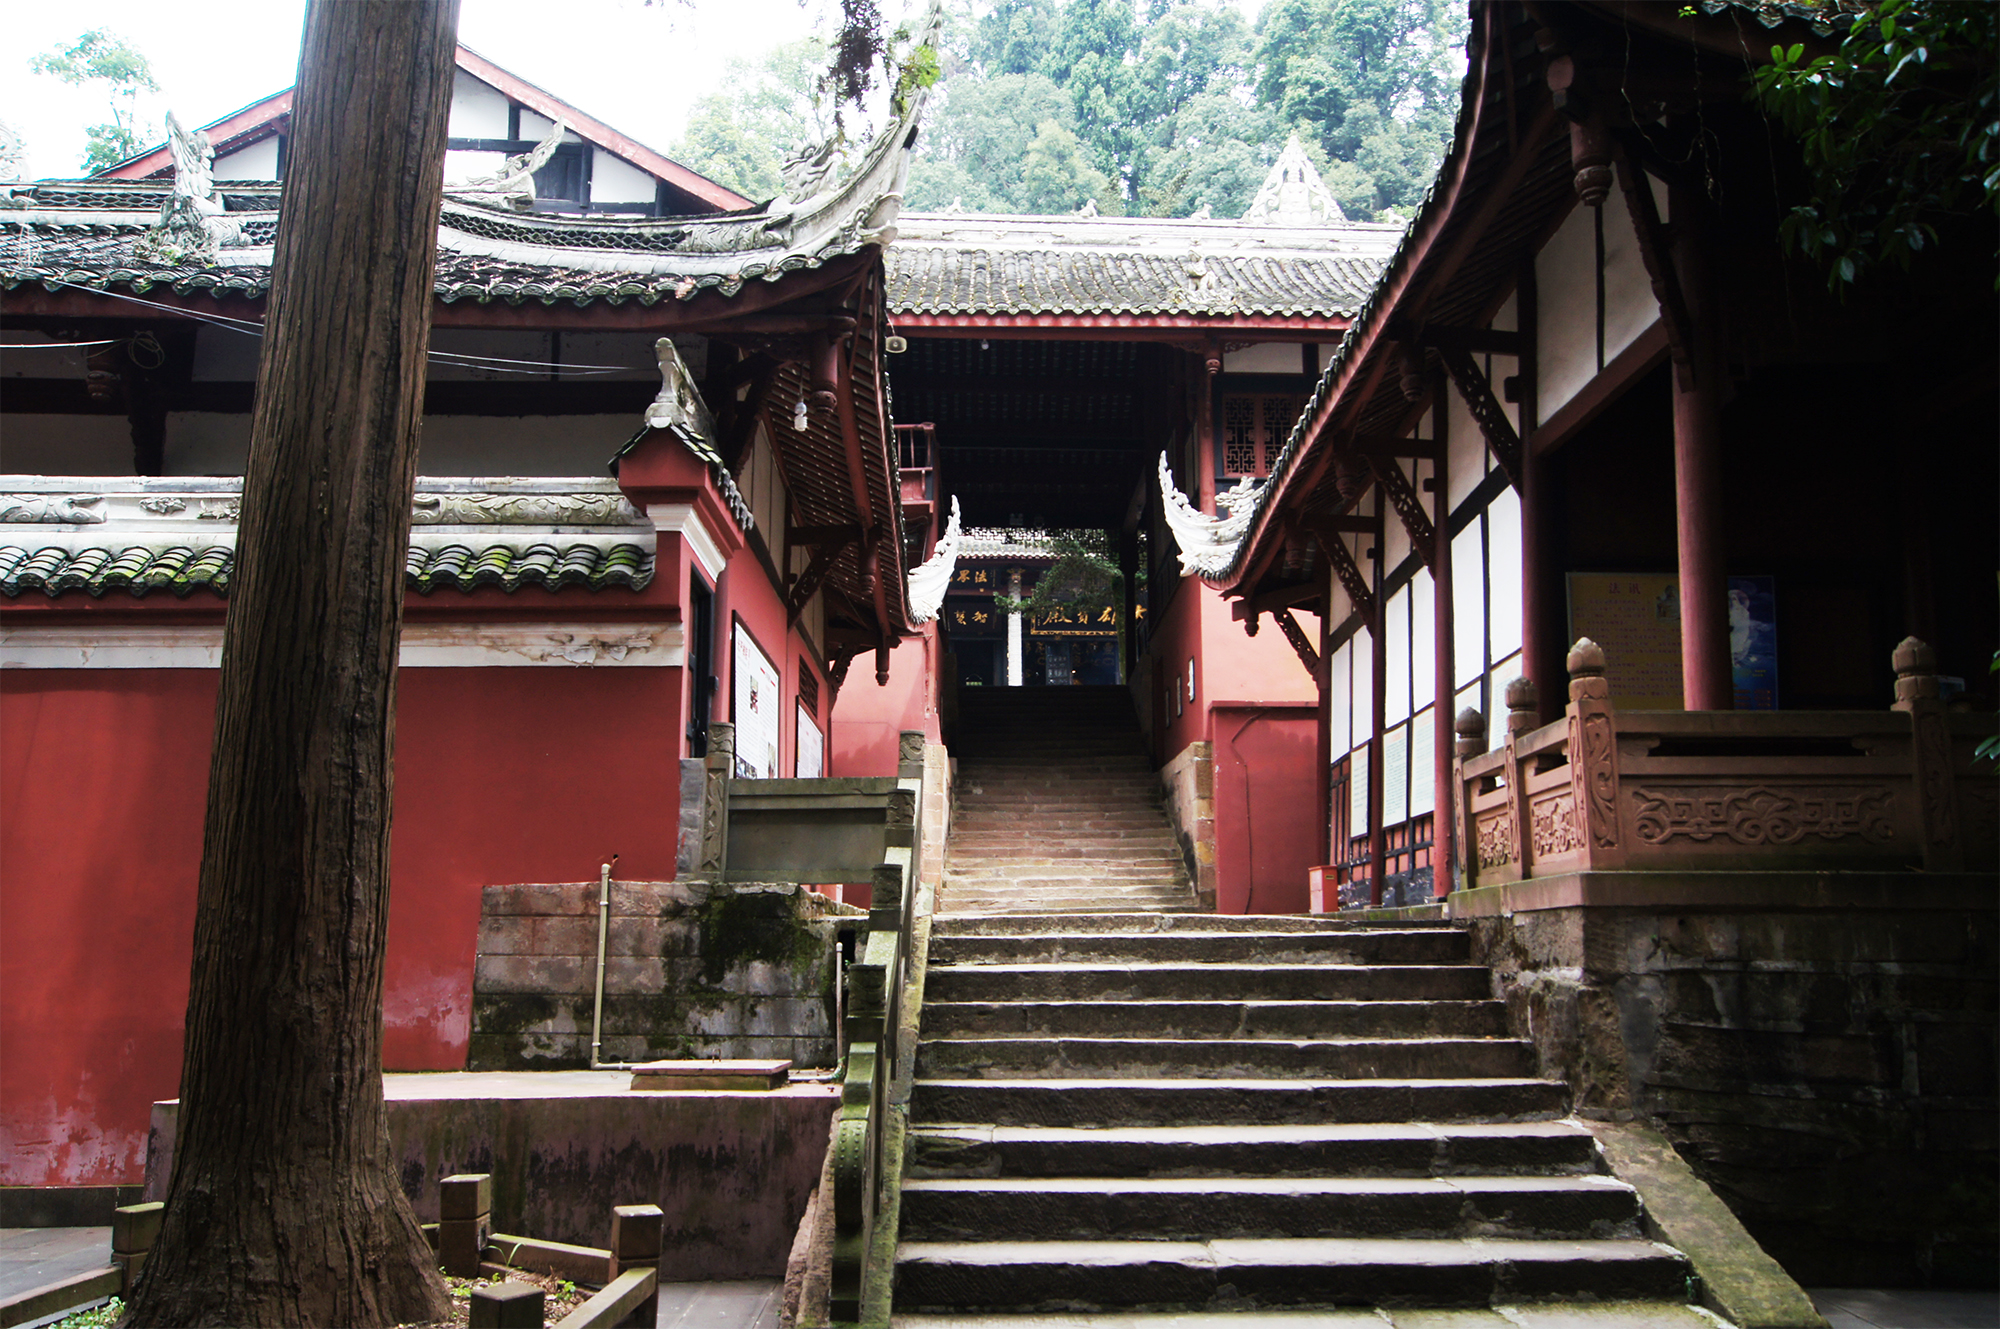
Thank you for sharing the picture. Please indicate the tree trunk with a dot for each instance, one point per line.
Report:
(283, 1209)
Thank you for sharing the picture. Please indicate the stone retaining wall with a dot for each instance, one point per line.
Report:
(1188, 781)
(691, 970)
(1821, 1047)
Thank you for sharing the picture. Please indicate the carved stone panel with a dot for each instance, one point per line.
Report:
(1552, 825)
(1593, 756)
(1763, 814)
(1495, 831)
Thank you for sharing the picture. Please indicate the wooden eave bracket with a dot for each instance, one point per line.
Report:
(1409, 508)
(1502, 440)
(1350, 576)
(1652, 233)
(1296, 635)
(808, 584)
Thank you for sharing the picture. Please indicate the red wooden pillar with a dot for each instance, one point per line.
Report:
(1378, 679)
(1706, 680)
(1445, 651)
(1542, 598)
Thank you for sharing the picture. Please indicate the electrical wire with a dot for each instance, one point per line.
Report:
(52, 345)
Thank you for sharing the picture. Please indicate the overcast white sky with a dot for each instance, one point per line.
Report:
(634, 66)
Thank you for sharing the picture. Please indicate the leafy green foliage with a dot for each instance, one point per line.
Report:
(1084, 576)
(1900, 128)
(740, 139)
(98, 1317)
(99, 56)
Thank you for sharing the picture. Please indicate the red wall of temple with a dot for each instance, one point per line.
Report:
(868, 720)
(503, 775)
(1266, 829)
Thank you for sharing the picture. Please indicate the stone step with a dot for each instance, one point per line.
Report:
(1212, 982)
(1648, 1314)
(1028, 924)
(1222, 1058)
(1382, 1149)
(1207, 1208)
(1417, 946)
(1178, 901)
(1011, 836)
(1085, 1275)
(1029, 852)
(1179, 1102)
(1217, 1019)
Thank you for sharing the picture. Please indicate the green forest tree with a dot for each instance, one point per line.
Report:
(102, 57)
(1154, 107)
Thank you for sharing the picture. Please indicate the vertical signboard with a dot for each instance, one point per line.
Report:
(811, 759)
(756, 710)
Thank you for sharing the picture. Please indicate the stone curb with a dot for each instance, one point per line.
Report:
(1738, 1280)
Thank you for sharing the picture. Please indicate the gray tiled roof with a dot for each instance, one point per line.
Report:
(183, 570)
(177, 534)
(964, 264)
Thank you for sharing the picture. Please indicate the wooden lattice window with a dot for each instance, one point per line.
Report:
(1254, 429)
(808, 689)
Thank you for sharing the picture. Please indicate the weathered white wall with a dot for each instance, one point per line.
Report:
(259, 161)
(66, 445)
(478, 110)
(615, 180)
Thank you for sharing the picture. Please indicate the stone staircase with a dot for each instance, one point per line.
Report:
(1057, 807)
(1195, 1112)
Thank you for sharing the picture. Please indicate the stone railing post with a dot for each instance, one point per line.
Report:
(134, 1228)
(1523, 700)
(910, 755)
(1593, 757)
(507, 1305)
(637, 1231)
(1470, 731)
(713, 859)
(465, 1222)
(1930, 750)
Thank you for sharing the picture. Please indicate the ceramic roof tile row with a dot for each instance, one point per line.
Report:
(945, 279)
(182, 570)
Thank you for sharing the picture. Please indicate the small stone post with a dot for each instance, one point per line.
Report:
(465, 1213)
(713, 858)
(1523, 700)
(1930, 750)
(1469, 730)
(636, 1232)
(508, 1305)
(1593, 757)
(133, 1231)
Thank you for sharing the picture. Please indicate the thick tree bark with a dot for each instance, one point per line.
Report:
(283, 1209)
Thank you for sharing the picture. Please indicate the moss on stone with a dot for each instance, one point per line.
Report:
(744, 927)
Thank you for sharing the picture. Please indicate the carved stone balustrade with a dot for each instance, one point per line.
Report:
(1610, 790)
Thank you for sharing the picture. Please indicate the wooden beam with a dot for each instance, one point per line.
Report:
(1409, 508)
(809, 581)
(1478, 341)
(820, 535)
(1653, 240)
(1502, 440)
(1275, 601)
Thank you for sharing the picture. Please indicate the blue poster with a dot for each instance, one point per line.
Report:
(1753, 642)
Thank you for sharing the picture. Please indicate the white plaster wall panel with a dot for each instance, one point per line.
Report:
(66, 445)
(521, 444)
(1338, 606)
(1503, 561)
(1361, 710)
(1396, 540)
(1423, 762)
(1629, 306)
(1396, 642)
(1468, 603)
(1340, 679)
(1466, 462)
(209, 443)
(29, 355)
(461, 165)
(536, 127)
(631, 351)
(1271, 357)
(259, 161)
(615, 180)
(1508, 317)
(478, 110)
(1423, 640)
(224, 356)
(510, 356)
(1566, 285)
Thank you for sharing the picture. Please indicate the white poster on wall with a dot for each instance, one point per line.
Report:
(756, 710)
(811, 747)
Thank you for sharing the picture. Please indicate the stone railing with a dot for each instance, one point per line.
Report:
(812, 831)
(1609, 790)
(839, 830)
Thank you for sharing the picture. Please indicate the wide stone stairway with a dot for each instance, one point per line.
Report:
(1191, 1112)
(1057, 806)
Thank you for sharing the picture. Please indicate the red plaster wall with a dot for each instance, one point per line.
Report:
(868, 720)
(1230, 665)
(1266, 827)
(511, 774)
